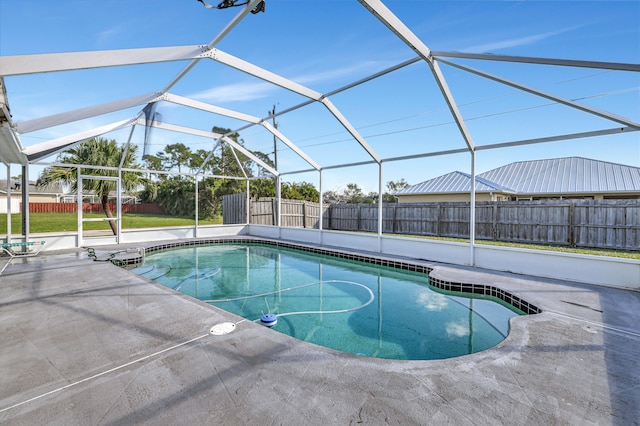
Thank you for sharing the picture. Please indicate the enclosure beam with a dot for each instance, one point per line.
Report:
(79, 203)
(563, 101)
(25, 202)
(126, 149)
(248, 205)
(349, 127)
(261, 73)
(209, 135)
(570, 136)
(191, 103)
(384, 15)
(290, 144)
(45, 149)
(380, 219)
(617, 66)
(196, 206)
(239, 116)
(472, 211)
(285, 83)
(8, 204)
(52, 62)
(83, 113)
(320, 224)
(251, 4)
(119, 206)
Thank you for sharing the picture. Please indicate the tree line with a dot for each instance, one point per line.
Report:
(175, 193)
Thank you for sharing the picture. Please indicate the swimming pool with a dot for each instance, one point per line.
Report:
(344, 304)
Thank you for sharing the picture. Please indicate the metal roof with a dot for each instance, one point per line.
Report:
(566, 175)
(454, 182)
(570, 175)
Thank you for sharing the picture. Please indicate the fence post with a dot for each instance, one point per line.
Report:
(274, 220)
(494, 226)
(572, 221)
(394, 227)
(304, 214)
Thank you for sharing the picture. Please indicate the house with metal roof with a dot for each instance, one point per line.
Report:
(555, 178)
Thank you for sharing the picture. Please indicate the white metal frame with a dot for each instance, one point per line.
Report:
(34, 64)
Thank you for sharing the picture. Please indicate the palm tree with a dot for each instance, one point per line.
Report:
(96, 152)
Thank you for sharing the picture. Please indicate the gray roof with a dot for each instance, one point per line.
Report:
(454, 182)
(570, 175)
(51, 188)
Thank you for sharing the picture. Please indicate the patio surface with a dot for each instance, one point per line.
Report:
(87, 343)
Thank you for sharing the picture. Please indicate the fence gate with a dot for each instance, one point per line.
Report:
(81, 219)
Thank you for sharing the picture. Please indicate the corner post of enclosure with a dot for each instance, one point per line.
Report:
(8, 204)
(119, 207)
(380, 209)
(321, 213)
(197, 211)
(79, 201)
(279, 205)
(247, 212)
(472, 210)
(25, 202)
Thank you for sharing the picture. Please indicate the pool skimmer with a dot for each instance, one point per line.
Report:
(222, 328)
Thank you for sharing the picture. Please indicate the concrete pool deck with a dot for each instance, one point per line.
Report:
(87, 343)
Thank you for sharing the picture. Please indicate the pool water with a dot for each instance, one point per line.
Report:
(346, 305)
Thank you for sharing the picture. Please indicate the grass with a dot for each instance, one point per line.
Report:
(68, 222)
(635, 255)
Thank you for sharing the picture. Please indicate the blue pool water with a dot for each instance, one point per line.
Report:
(341, 304)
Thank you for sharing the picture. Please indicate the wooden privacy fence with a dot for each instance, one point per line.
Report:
(93, 208)
(295, 213)
(611, 224)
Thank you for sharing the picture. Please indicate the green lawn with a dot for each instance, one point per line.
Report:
(562, 249)
(61, 222)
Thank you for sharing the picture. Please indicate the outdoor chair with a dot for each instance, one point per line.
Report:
(29, 249)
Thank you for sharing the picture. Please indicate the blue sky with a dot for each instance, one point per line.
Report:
(327, 44)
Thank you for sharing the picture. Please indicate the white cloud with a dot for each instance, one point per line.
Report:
(432, 301)
(458, 328)
(515, 42)
(109, 34)
(235, 92)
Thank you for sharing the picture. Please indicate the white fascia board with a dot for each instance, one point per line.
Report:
(178, 129)
(249, 68)
(567, 102)
(349, 127)
(10, 147)
(290, 144)
(81, 114)
(51, 62)
(618, 66)
(211, 135)
(53, 146)
(191, 103)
